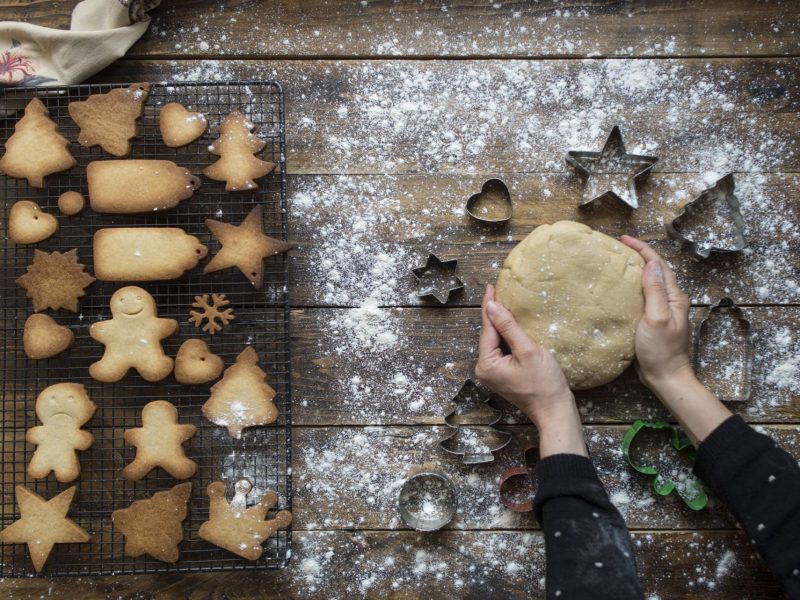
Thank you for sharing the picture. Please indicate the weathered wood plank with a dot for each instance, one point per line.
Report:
(403, 366)
(412, 566)
(368, 466)
(543, 29)
(506, 116)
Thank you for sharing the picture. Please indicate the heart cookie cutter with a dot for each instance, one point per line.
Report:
(438, 279)
(711, 199)
(691, 491)
(516, 488)
(600, 169)
(716, 353)
(492, 205)
(427, 501)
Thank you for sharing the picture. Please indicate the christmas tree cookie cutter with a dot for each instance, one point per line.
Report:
(717, 352)
(692, 493)
(492, 205)
(472, 407)
(427, 501)
(438, 279)
(516, 487)
(710, 200)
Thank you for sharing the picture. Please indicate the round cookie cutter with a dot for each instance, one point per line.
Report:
(427, 501)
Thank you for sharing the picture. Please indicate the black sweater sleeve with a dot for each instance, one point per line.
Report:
(589, 552)
(760, 483)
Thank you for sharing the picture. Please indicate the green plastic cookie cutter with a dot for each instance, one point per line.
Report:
(692, 493)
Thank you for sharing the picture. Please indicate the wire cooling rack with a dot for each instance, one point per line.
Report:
(262, 320)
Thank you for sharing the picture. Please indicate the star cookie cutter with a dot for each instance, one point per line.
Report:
(438, 279)
(602, 171)
(427, 501)
(723, 356)
(721, 194)
(492, 205)
(690, 490)
(516, 487)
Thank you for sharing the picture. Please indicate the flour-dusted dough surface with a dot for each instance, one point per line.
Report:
(577, 292)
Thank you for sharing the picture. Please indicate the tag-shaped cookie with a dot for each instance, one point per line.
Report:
(195, 363)
(180, 126)
(42, 337)
(29, 224)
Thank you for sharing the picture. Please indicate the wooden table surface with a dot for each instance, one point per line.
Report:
(396, 113)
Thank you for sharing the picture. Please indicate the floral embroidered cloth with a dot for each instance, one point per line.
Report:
(101, 31)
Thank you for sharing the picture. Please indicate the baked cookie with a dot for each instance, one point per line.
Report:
(180, 126)
(195, 363)
(212, 311)
(71, 203)
(242, 398)
(145, 253)
(132, 338)
(159, 443)
(29, 224)
(237, 166)
(55, 280)
(154, 525)
(63, 409)
(135, 186)
(236, 527)
(109, 120)
(42, 337)
(36, 149)
(42, 524)
(244, 246)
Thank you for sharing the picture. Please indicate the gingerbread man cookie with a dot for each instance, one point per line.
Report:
(132, 338)
(62, 408)
(159, 443)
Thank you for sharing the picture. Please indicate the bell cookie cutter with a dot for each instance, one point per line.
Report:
(692, 491)
(438, 279)
(515, 483)
(716, 354)
(602, 171)
(492, 205)
(711, 199)
(427, 501)
(474, 438)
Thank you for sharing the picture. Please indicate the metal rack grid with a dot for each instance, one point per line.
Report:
(262, 320)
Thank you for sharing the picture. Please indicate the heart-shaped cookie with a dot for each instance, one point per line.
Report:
(492, 205)
(29, 224)
(180, 126)
(195, 363)
(42, 337)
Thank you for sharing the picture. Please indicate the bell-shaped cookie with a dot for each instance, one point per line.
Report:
(42, 337)
(195, 363)
(180, 126)
(29, 224)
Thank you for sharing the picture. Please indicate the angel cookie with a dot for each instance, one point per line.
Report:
(159, 443)
(237, 527)
(132, 338)
(62, 408)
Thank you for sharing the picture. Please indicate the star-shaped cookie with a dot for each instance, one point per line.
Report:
(43, 524)
(55, 280)
(612, 172)
(244, 246)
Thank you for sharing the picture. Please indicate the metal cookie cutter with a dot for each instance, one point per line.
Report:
(492, 205)
(438, 279)
(690, 489)
(427, 501)
(723, 351)
(472, 407)
(612, 172)
(516, 487)
(704, 210)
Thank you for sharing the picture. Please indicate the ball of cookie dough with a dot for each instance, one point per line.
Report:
(71, 203)
(577, 292)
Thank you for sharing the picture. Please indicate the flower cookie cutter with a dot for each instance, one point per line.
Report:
(711, 201)
(724, 340)
(438, 279)
(690, 490)
(516, 487)
(612, 172)
(492, 205)
(474, 438)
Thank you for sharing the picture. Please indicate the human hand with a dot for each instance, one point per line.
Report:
(529, 377)
(662, 337)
